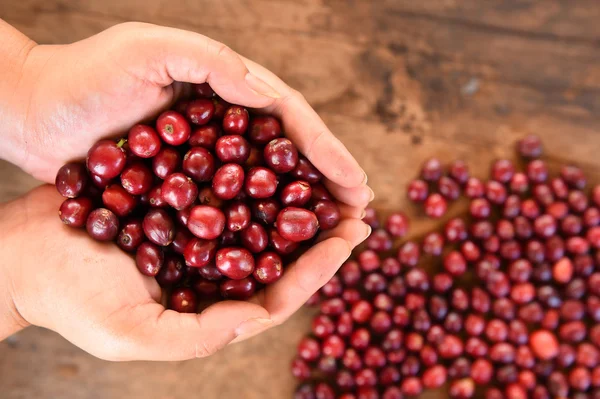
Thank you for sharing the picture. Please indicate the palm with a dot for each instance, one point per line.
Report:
(106, 101)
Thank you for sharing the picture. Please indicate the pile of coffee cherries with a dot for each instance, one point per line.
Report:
(212, 201)
(503, 303)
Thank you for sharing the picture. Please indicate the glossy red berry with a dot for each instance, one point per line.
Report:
(166, 162)
(199, 164)
(296, 224)
(206, 222)
(183, 300)
(235, 120)
(200, 111)
(281, 155)
(71, 180)
(173, 128)
(235, 263)
(149, 259)
(144, 141)
(179, 191)
(260, 182)
(228, 181)
(74, 212)
(102, 225)
(106, 159)
(137, 178)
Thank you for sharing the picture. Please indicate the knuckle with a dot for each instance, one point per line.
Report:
(222, 50)
(204, 349)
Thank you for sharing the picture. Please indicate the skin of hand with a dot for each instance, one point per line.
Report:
(64, 100)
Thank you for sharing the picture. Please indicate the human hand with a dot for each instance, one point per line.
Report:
(100, 87)
(93, 294)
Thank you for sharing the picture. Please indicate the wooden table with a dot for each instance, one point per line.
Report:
(397, 80)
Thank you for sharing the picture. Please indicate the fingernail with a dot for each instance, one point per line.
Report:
(369, 230)
(252, 327)
(363, 214)
(365, 179)
(260, 86)
(372, 196)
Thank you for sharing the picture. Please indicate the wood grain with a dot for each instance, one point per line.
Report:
(398, 81)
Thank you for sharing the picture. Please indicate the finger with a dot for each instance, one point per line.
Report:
(356, 196)
(353, 212)
(163, 55)
(354, 231)
(306, 129)
(304, 277)
(165, 335)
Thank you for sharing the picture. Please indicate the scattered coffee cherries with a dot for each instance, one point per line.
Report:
(503, 303)
(212, 200)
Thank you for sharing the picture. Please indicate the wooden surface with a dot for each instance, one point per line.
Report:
(397, 80)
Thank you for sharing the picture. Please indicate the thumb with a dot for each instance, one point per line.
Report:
(165, 55)
(165, 335)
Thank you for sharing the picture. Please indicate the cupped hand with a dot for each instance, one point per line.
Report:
(92, 293)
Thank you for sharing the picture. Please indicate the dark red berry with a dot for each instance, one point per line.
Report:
(173, 128)
(74, 212)
(106, 159)
(281, 155)
(199, 164)
(144, 141)
(131, 235)
(228, 181)
(71, 180)
(235, 120)
(199, 112)
(102, 225)
(149, 259)
(296, 224)
(183, 300)
(166, 162)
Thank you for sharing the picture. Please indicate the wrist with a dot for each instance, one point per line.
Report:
(14, 51)
(11, 320)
